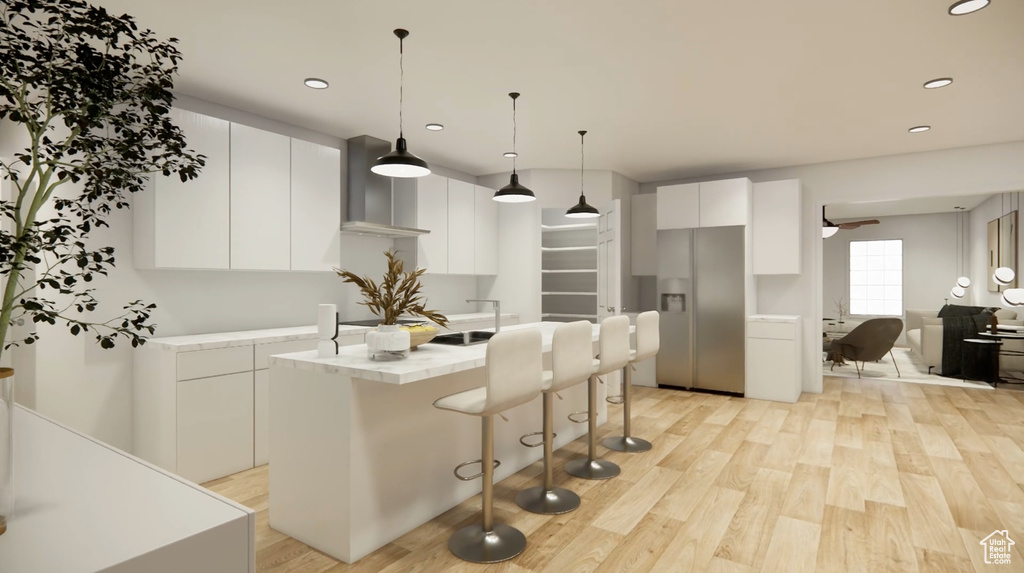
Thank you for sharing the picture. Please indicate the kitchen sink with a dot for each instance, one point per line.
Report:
(463, 338)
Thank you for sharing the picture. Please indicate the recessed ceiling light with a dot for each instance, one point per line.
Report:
(966, 7)
(919, 128)
(937, 83)
(315, 83)
(511, 154)
(435, 126)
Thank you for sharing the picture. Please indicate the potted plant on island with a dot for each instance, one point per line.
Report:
(398, 294)
(86, 96)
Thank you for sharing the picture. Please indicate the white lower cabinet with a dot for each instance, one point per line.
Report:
(773, 358)
(215, 421)
(261, 418)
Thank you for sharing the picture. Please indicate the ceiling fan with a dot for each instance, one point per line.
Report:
(828, 228)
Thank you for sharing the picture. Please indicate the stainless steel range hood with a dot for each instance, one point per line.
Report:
(369, 195)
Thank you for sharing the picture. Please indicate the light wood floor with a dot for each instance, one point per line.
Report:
(867, 476)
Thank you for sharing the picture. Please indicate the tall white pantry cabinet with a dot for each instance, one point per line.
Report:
(263, 201)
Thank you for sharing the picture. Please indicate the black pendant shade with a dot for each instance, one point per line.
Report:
(401, 163)
(514, 192)
(582, 210)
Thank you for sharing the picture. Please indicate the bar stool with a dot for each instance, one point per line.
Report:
(571, 364)
(614, 347)
(514, 375)
(648, 341)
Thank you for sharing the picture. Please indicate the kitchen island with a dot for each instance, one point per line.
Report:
(359, 455)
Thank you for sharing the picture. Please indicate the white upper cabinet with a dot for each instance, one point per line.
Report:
(186, 225)
(260, 199)
(644, 246)
(432, 214)
(776, 227)
(461, 225)
(679, 206)
(315, 206)
(707, 204)
(485, 231)
(725, 203)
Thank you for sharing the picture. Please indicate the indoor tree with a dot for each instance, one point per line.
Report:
(92, 93)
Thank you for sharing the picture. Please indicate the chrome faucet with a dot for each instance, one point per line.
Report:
(497, 310)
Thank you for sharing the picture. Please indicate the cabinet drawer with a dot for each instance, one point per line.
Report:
(262, 351)
(777, 330)
(215, 426)
(205, 363)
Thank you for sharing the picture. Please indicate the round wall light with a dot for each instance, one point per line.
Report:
(919, 128)
(434, 127)
(316, 83)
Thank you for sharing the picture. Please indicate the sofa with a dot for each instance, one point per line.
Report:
(924, 337)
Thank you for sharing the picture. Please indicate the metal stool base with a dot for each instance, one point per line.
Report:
(551, 502)
(591, 469)
(473, 544)
(626, 444)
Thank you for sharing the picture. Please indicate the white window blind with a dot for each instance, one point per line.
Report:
(876, 277)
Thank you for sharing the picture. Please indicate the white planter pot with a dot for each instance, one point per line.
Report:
(388, 342)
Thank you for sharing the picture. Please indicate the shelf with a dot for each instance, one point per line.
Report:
(568, 271)
(570, 227)
(570, 293)
(587, 248)
(564, 315)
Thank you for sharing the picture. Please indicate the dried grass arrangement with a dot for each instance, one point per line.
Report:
(397, 294)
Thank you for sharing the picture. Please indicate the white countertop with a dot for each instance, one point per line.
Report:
(431, 360)
(243, 338)
(83, 506)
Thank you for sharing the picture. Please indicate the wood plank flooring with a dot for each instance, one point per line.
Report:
(869, 476)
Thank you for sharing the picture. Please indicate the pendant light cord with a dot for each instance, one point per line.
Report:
(582, 159)
(401, 83)
(514, 133)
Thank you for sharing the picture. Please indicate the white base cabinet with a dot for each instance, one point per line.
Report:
(773, 358)
(203, 414)
(215, 426)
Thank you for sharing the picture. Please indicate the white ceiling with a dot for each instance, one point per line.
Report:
(667, 88)
(914, 206)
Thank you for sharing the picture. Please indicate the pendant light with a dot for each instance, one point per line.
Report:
(828, 228)
(401, 163)
(514, 192)
(582, 210)
(1003, 275)
(962, 282)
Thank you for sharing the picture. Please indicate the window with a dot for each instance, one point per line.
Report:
(876, 277)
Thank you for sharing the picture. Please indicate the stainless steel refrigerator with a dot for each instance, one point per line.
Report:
(701, 300)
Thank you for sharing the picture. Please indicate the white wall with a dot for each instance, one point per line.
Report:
(981, 169)
(929, 260)
(980, 216)
(90, 389)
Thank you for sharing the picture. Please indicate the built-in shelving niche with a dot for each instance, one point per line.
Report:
(568, 267)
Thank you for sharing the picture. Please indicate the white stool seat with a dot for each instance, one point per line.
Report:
(513, 373)
(614, 355)
(647, 345)
(571, 356)
(472, 402)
